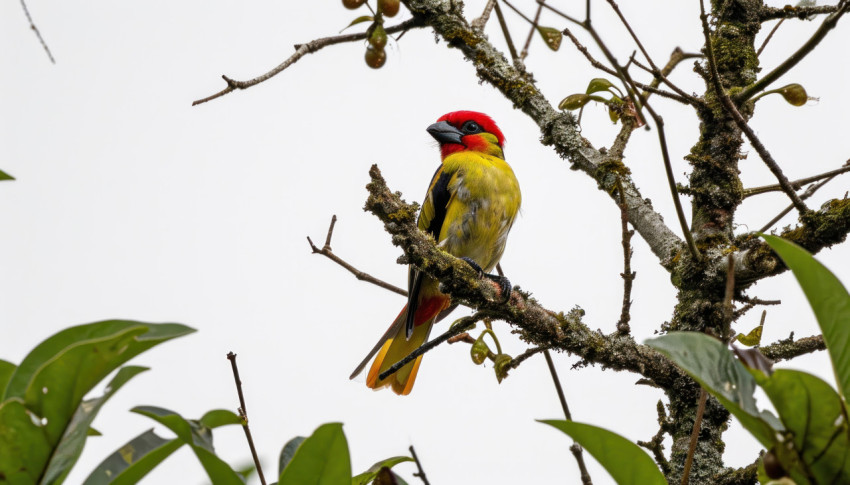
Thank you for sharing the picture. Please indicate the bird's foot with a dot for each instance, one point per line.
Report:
(503, 282)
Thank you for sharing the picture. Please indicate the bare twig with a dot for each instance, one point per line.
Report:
(534, 25)
(694, 437)
(602, 67)
(827, 25)
(796, 184)
(771, 13)
(460, 326)
(656, 444)
(627, 274)
(730, 108)
(769, 36)
(243, 414)
(37, 32)
(479, 23)
(421, 472)
(360, 275)
(575, 448)
(805, 195)
(654, 69)
(300, 51)
(504, 26)
(519, 359)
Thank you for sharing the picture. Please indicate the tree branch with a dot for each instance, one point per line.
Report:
(827, 25)
(37, 32)
(360, 275)
(789, 348)
(798, 183)
(302, 50)
(790, 12)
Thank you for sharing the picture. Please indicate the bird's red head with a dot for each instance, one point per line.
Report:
(467, 130)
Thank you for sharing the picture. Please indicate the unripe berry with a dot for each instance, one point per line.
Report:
(389, 7)
(378, 39)
(375, 58)
(352, 4)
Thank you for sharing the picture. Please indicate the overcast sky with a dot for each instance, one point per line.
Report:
(130, 203)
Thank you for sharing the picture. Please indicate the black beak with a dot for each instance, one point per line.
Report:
(444, 133)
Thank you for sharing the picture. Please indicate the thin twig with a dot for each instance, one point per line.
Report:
(243, 414)
(479, 23)
(805, 195)
(798, 183)
(460, 326)
(627, 274)
(360, 275)
(37, 32)
(656, 444)
(771, 13)
(694, 437)
(730, 108)
(575, 448)
(519, 359)
(602, 67)
(827, 25)
(626, 79)
(769, 36)
(300, 51)
(421, 472)
(507, 34)
(655, 71)
(534, 25)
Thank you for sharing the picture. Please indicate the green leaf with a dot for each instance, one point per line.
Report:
(53, 378)
(829, 300)
(199, 438)
(134, 460)
(287, 452)
(219, 417)
(322, 459)
(93, 432)
(372, 472)
(751, 339)
(625, 461)
(70, 447)
(813, 414)
(574, 101)
(6, 370)
(5, 176)
(711, 364)
(551, 36)
(24, 446)
(359, 20)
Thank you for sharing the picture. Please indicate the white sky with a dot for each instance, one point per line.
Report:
(132, 204)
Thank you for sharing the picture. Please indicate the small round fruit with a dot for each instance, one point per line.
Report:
(352, 4)
(375, 58)
(389, 7)
(378, 39)
(772, 467)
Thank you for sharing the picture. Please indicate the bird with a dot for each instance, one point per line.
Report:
(471, 204)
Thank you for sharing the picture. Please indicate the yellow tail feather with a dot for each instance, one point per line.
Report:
(393, 350)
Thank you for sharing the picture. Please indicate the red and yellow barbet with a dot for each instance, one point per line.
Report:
(469, 209)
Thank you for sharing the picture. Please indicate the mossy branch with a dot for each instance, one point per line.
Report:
(536, 324)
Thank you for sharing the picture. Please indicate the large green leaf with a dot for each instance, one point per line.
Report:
(625, 461)
(52, 380)
(287, 452)
(6, 370)
(711, 364)
(813, 414)
(830, 302)
(134, 460)
(22, 444)
(372, 472)
(5, 176)
(71, 445)
(321, 459)
(199, 438)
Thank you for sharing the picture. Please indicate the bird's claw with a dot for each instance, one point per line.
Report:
(503, 282)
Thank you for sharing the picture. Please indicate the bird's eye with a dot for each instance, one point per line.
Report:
(471, 127)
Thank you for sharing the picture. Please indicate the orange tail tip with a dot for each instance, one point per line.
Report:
(393, 350)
